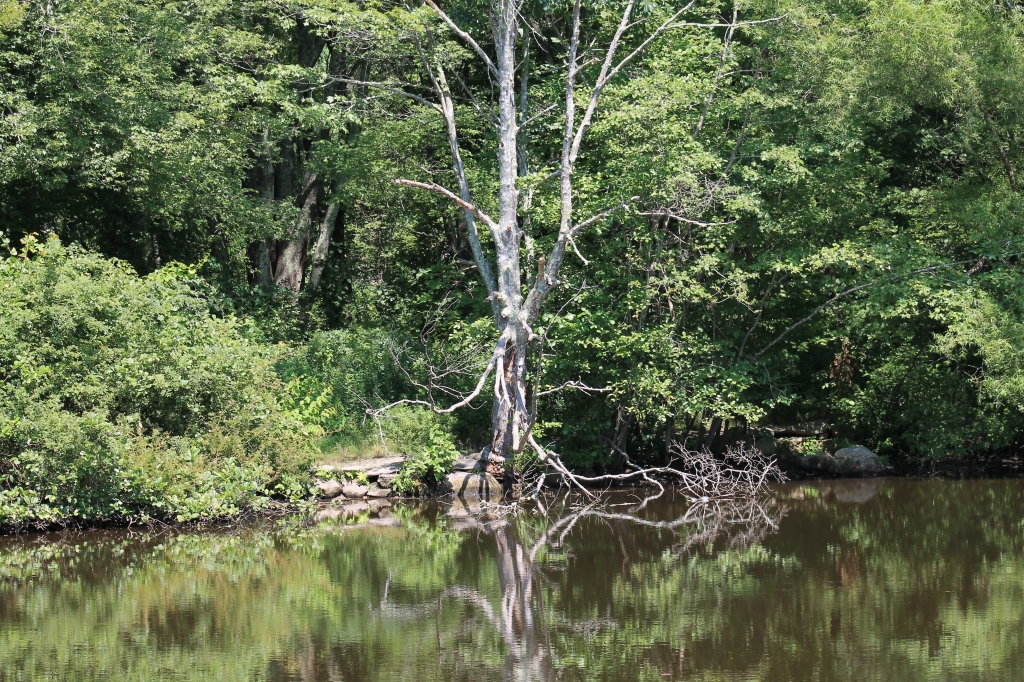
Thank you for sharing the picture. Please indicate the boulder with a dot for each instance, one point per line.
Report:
(819, 463)
(857, 461)
(467, 463)
(376, 491)
(390, 469)
(471, 484)
(329, 488)
(354, 491)
(384, 480)
(477, 461)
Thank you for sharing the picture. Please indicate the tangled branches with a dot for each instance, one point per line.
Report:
(741, 472)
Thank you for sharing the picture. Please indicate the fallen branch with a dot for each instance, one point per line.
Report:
(741, 472)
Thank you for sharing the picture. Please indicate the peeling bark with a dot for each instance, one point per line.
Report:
(511, 420)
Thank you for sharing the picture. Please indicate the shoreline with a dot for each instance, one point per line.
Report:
(993, 468)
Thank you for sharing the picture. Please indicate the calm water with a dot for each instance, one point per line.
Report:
(857, 580)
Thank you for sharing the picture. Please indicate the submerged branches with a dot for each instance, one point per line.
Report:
(741, 472)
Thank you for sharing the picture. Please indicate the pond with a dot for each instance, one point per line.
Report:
(883, 579)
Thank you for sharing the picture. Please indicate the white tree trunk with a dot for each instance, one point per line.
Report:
(514, 314)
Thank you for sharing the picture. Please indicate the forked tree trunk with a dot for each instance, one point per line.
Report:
(323, 245)
(292, 259)
(511, 420)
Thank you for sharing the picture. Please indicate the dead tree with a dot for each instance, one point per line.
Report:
(515, 307)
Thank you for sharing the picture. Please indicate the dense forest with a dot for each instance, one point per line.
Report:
(235, 230)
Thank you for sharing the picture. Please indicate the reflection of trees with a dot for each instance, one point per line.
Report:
(529, 656)
(738, 522)
(925, 577)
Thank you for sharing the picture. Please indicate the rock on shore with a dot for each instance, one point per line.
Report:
(471, 484)
(857, 461)
(853, 461)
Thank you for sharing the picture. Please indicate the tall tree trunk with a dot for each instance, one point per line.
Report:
(291, 260)
(511, 420)
(508, 415)
(323, 244)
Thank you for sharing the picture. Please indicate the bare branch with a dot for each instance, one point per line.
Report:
(577, 385)
(533, 118)
(488, 115)
(451, 196)
(737, 24)
(741, 472)
(499, 351)
(447, 109)
(608, 72)
(552, 459)
(602, 215)
(726, 44)
(688, 221)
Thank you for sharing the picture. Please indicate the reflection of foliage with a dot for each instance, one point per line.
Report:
(926, 576)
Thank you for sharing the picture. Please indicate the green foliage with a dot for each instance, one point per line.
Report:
(125, 398)
(12, 13)
(429, 466)
(797, 189)
(337, 375)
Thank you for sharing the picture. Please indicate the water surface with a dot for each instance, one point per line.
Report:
(854, 580)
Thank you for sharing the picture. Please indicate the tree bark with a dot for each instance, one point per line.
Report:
(323, 244)
(508, 415)
(291, 259)
(514, 314)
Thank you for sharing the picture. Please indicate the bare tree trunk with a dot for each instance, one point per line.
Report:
(323, 244)
(291, 260)
(508, 415)
(513, 315)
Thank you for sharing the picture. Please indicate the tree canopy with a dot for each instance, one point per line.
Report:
(802, 210)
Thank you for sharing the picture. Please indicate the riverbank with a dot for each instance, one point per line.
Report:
(366, 486)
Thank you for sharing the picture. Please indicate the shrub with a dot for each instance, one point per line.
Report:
(338, 374)
(124, 397)
(429, 466)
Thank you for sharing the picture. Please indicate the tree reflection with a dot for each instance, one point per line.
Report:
(736, 523)
(908, 580)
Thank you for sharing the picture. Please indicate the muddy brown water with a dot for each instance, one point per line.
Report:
(883, 579)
